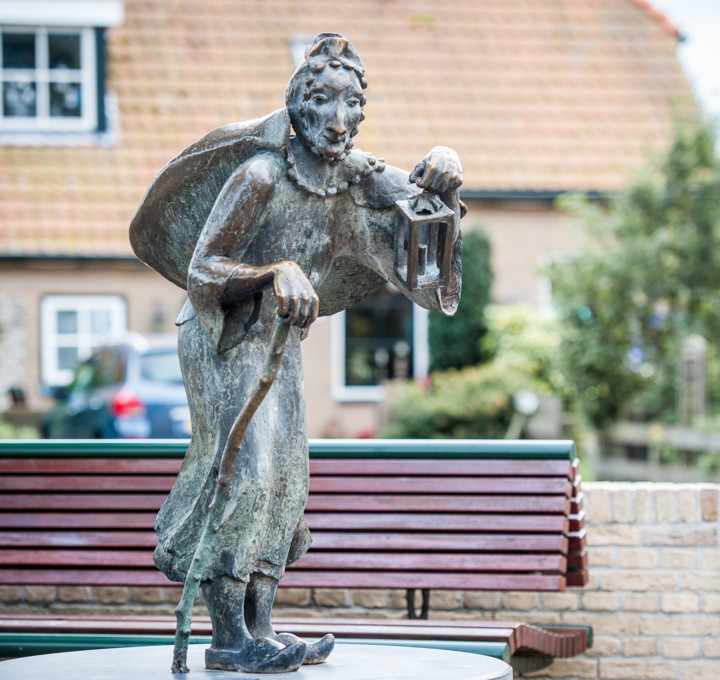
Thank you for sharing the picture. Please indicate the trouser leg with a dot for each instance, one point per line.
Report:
(233, 648)
(225, 600)
(258, 612)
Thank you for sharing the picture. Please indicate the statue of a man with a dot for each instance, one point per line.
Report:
(257, 222)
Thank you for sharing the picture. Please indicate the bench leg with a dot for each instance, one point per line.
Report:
(410, 599)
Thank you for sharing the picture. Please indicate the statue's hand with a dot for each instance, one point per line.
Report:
(439, 171)
(298, 302)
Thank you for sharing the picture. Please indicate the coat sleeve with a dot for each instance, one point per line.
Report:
(224, 292)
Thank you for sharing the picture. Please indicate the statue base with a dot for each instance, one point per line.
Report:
(347, 662)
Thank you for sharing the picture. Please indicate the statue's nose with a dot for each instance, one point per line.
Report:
(337, 123)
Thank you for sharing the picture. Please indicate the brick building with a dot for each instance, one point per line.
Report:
(539, 97)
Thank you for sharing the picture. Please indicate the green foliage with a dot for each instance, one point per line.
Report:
(476, 401)
(455, 341)
(10, 431)
(651, 279)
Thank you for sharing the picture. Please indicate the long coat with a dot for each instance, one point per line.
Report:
(188, 229)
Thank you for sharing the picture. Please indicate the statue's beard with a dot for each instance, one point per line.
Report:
(307, 140)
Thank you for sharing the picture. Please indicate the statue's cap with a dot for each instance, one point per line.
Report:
(333, 49)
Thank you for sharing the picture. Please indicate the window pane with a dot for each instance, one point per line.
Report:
(67, 357)
(65, 100)
(19, 100)
(378, 339)
(359, 369)
(64, 50)
(67, 322)
(18, 50)
(100, 321)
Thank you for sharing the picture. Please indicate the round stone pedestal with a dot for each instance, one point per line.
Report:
(347, 662)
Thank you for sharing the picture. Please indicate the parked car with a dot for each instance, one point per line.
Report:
(129, 389)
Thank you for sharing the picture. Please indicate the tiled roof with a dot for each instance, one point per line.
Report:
(535, 95)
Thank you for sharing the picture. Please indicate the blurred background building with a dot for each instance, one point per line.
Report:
(539, 97)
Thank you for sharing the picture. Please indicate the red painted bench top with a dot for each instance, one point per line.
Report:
(376, 523)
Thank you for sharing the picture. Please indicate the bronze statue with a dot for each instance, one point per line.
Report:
(259, 224)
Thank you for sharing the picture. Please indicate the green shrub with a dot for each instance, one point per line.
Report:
(476, 401)
(455, 342)
(650, 279)
(10, 431)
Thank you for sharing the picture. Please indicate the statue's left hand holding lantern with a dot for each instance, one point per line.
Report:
(260, 224)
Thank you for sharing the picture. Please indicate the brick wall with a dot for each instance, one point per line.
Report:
(653, 598)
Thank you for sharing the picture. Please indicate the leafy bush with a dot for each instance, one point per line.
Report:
(651, 279)
(455, 341)
(10, 431)
(476, 401)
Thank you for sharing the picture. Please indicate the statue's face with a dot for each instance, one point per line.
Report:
(332, 111)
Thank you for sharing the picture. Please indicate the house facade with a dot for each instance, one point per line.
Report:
(539, 97)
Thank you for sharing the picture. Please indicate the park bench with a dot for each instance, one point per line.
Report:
(409, 514)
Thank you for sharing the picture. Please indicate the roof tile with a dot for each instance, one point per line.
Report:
(533, 94)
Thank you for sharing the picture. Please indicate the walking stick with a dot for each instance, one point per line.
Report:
(216, 509)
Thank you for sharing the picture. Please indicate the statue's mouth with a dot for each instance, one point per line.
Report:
(333, 139)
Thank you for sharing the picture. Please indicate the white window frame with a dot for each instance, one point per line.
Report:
(85, 340)
(43, 76)
(375, 393)
(102, 13)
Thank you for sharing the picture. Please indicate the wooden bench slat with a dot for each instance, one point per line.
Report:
(78, 520)
(82, 483)
(577, 541)
(317, 560)
(419, 561)
(577, 561)
(295, 578)
(119, 466)
(459, 522)
(364, 579)
(85, 501)
(354, 502)
(495, 486)
(577, 522)
(439, 467)
(84, 577)
(317, 502)
(89, 466)
(85, 539)
(356, 520)
(316, 521)
(77, 558)
(494, 542)
(322, 540)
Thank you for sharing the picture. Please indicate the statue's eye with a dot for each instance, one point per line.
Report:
(353, 103)
(319, 99)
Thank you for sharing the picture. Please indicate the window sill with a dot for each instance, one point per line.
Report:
(71, 139)
(369, 394)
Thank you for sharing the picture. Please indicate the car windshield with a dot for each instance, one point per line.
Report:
(161, 367)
